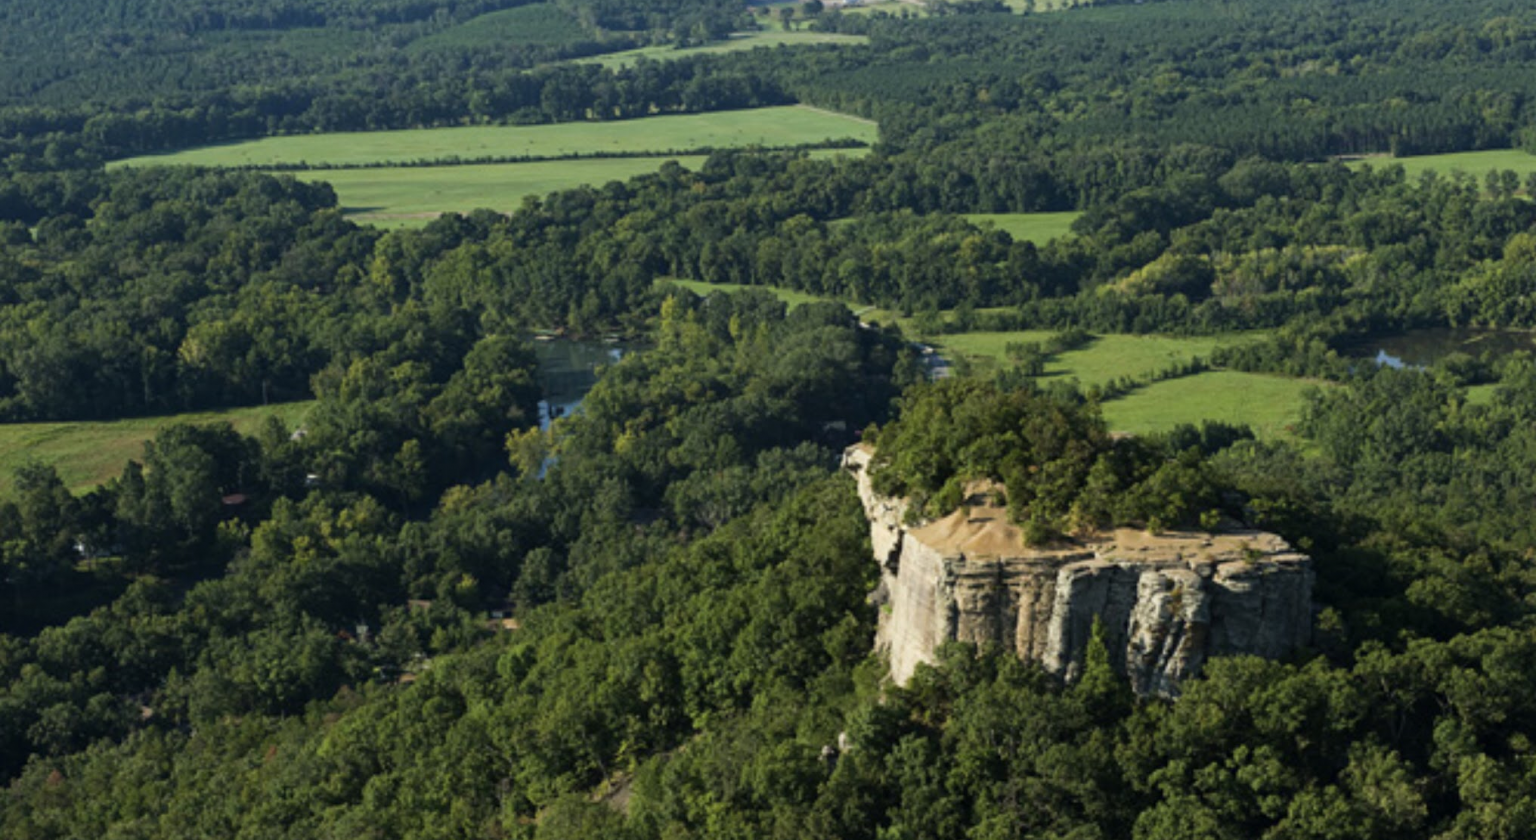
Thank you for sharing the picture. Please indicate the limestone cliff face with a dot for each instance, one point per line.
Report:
(1167, 602)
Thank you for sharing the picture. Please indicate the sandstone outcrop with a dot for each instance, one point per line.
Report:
(1167, 602)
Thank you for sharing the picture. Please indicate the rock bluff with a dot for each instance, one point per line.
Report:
(1167, 602)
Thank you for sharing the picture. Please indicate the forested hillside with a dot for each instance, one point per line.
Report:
(438, 609)
(124, 55)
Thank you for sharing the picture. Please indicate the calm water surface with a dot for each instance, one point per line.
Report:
(1422, 348)
(568, 370)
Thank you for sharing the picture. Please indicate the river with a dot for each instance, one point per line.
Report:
(1422, 348)
(568, 370)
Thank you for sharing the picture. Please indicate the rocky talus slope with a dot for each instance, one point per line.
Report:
(1167, 602)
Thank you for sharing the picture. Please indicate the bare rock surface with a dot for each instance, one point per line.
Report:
(1167, 602)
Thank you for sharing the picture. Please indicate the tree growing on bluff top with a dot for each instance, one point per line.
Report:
(1062, 471)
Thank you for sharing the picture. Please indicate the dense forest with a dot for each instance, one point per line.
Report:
(427, 615)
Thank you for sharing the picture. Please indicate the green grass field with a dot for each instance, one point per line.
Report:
(413, 196)
(1481, 394)
(739, 41)
(789, 125)
(1038, 228)
(1268, 404)
(1472, 163)
(410, 196)
(790, 297)
(1103, 359)
(86, 454)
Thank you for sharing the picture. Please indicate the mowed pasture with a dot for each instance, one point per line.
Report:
(88, 453)
(1038, 228)
(764, 39)
(1104, 358)
(415, 195)
(1478, 164)
(777, 127)
(1270, 405)
(1267, 404)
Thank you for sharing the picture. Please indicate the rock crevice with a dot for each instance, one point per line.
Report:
(1166, 602)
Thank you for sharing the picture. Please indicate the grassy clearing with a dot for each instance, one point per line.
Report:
(1472, 163)
(1481, 394)
(1106, 357)
(789, 125)
(1038, 228)
(768, 38)
(86, 454)
(1268, 404)
(790, 297)
(414, 196)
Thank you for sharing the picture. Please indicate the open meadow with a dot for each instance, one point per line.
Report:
(1472, 163)
(395, 196)
(778, 127)
(411, 196)
(1104, 358)
(88, 453)
(765, 39)
(1038, 228)
(1267, 404)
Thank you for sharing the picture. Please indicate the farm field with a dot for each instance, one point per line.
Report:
(88, 453)
(1103, 359)
(1267, 404)
(411, 196)
(1472, 163)
(739, 41)
(777, 127)
(1038, 228)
